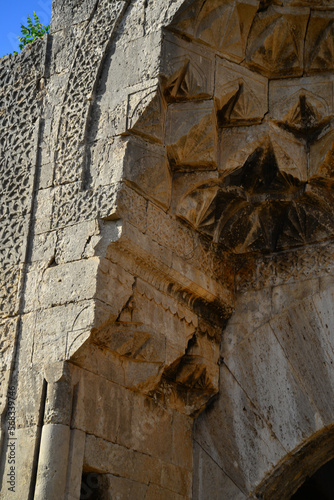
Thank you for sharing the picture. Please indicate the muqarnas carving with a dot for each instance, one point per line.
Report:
(249, 148)
(257, 207)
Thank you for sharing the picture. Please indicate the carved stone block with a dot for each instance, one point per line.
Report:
(241, 96)
(276, 41)
(221, 24)
(238, 144)
(286, 105)
(321, 156)
(188, 69)
(191, 135)
(319, 44)
(146, 113)
(184, 181)
(146, 167)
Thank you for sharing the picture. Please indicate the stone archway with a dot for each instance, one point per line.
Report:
(291, 479)
(194, 182)
(272, 424)
(317, 486)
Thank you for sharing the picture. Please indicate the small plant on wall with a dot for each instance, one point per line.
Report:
(33, 30)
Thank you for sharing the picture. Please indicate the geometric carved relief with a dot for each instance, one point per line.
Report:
(322, 156)
(221, 24)
(191, 135)
(164, 350)
(258, 206)
(284, 95)
(307, 117)
(276, 41)
(241, 96)
(319, 44)
(187, 71)
(251, 159)
(237, 144)
(146, 167)
(148, 123)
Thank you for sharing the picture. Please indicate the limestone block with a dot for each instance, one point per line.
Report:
(44, 204)
(285, 295)
(112, 458)
(44, 246)
(24, 449)
(187, 70)
(306, 347)
(5, 376)
(237, 144)
(284, 96)
(322, 302)
(275, 45)
(176, 479)
(158, 14)
(252, 309)
(146, 113)
(142, 246)
(137, 423)
(34, 274)
(30, 381)
(99, 399)
(108, 118)
(8, 329)
(210, 481)
(181, 186)
(122, 488)
(73, 242)
(13, 234)
(221, 25)
(170, 234)
(128, 61)
(263, 371)
(72, 204)
(106, 162)
(69, 282)
(207, 349)
(250, 449)
(321, 156)
(241, 96)
(73, 12)
(319, 55)
(182, 436)
(114, 285)
(154, 310)
(132, 24)
(146, 167)
(141, 376)
(191, 135)
(155, 491)
(50, 334)
(132, 340)
(10, 289)
(102, 362)
(201, 284)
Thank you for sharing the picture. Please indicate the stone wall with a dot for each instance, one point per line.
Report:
(272, 425)
(167, 250)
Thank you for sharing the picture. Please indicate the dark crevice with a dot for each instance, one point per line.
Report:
(38, 441)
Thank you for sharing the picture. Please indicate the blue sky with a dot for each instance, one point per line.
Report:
(13, 14)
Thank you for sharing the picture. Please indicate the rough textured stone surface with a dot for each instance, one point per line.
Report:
(166, 251)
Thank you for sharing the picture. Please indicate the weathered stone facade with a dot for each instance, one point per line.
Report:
(166, 311)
